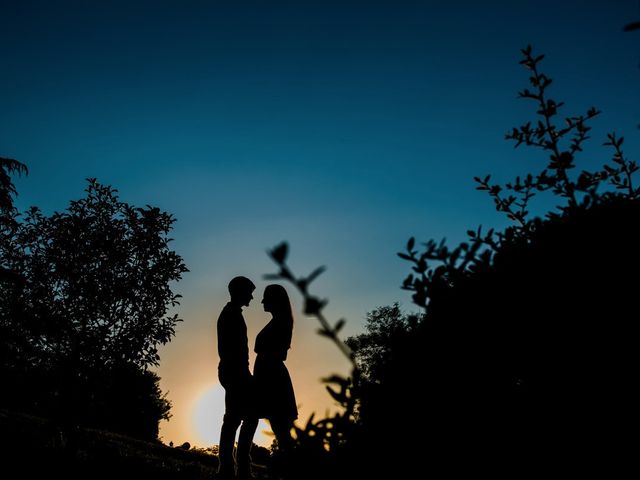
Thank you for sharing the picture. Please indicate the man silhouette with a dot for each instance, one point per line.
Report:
(235, 377)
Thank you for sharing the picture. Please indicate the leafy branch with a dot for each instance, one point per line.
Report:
(620, 175)
(9, 166)
(453, 264)
(437, 267)
(547, 135)
(312, 305)
(328, 434)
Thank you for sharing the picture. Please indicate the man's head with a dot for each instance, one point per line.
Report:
(241, 290)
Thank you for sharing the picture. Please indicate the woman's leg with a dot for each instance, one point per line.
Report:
(282, 430)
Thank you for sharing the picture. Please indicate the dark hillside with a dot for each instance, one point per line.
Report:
(33, 447)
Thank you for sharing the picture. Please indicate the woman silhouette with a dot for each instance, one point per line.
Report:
(275, 398)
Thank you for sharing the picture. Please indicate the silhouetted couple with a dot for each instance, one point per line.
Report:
(268, 393)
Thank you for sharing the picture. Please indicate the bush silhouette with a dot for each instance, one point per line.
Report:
(527, 363)
(523, 362)
(526, 346)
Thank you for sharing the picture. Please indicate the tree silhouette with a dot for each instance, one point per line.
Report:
(12, 343)
(9, 166)
(386, 329)
(93, 302)
(126, 399)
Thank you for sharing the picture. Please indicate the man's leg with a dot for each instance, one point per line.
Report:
(230, 424)
(245, 441)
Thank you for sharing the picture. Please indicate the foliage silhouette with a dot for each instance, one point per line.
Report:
(522, 360)
(8, 166)
(91, 308)
(629, 27)
(563, 144)
(387, 330)
(527, 338)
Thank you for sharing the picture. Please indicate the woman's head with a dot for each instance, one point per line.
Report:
(276, 301)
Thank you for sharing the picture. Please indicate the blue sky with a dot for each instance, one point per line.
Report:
(343, 127)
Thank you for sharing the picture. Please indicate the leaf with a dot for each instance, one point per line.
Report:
(631, 26)
(410, 244)
(337, 396)
(339, 325)
(310, 421)
(279, 253)
(313, 305)
(325, 333)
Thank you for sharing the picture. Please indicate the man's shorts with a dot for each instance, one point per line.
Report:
(239, 394)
